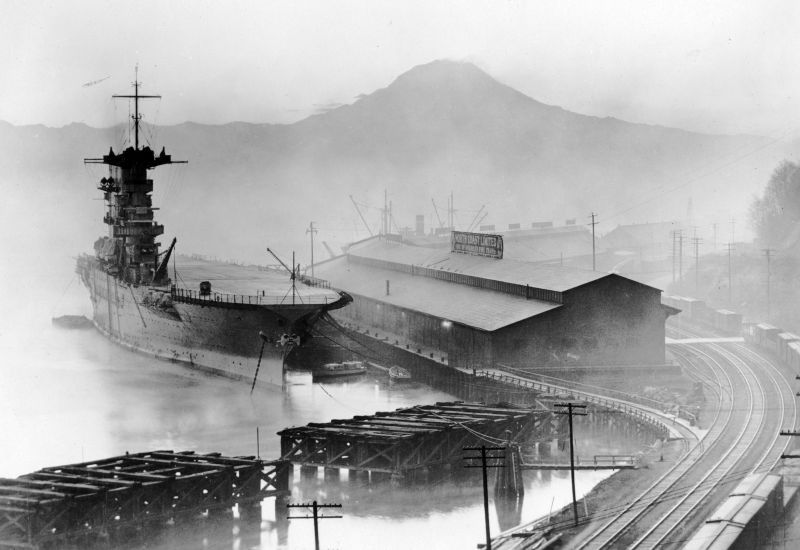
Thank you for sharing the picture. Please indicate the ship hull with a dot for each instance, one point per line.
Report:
(216, 337)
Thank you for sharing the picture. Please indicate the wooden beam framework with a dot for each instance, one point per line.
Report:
(94, 500)
(406, 439)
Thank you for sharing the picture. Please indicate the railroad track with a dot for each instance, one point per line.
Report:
(743, 439)
(620, 530)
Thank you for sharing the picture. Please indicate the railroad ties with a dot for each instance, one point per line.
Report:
(113, 497)
(407, 441)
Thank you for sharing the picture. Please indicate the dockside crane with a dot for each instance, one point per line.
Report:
(360, 215)
(478, 223)
(329, 249)
(475, 220)
(438, 217)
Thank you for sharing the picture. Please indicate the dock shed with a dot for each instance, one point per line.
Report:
(480, 310)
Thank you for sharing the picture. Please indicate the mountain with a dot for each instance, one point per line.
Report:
(440, 127)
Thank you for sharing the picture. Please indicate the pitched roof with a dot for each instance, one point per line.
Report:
(483, 309)
(547, 277)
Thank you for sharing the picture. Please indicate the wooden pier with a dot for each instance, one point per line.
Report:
(407, 440)
(97, 501)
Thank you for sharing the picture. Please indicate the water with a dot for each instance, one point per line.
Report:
(71, 395)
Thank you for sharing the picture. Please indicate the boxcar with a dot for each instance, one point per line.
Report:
(793, 356)
(784, 339)
(727, 321)
(745, 518)
(766, 336)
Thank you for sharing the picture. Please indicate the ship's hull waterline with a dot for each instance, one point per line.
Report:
(213, 336)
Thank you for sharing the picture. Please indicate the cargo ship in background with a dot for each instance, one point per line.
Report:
(224, 318)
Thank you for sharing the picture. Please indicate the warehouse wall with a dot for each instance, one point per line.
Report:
(612, 321)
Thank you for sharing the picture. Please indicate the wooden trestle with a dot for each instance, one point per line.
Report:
(56, 506)
(409, 439)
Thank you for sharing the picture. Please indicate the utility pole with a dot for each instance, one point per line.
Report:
(680, 255)
(730, 276)
(594, 262)
(571, 412)
(714, 225)
(696, 240)
(768, 253)
(312, 230)
(674, 234)
(315, 510)
(452, 213)
(484, 456)
(385, 212)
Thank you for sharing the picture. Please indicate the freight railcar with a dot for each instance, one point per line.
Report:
(784, 339)
(745, 518)
(793, 356)
(765, 336)
(728, 322)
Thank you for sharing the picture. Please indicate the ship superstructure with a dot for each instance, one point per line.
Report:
(221, 317)
(130, 250)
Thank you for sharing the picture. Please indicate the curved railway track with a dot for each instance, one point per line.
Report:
(755, 401)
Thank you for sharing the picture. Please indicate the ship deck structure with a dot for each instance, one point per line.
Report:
(223, 318)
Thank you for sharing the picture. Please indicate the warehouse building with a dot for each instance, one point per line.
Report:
(479, 309)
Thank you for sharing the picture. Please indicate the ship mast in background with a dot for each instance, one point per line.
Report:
(130, 251)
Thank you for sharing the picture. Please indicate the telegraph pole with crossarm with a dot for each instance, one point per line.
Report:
(484, 457)
(315, 507)
(571, 413)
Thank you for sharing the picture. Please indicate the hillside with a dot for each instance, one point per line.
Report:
(440, 127)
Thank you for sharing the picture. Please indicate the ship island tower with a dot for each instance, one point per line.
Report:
(130, 251)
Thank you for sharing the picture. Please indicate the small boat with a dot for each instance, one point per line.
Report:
(73, 322)
(335, 370)
(399, 373)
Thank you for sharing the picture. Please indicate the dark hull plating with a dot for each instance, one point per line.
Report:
(218, 337)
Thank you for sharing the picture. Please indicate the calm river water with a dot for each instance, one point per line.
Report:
(70, 395)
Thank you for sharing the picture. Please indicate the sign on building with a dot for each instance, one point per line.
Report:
(478, 244)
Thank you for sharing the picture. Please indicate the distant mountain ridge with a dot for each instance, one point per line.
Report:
(440, 127)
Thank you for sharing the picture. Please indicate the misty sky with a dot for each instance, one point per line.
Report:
(722, 67)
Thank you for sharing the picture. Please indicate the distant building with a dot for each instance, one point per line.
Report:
(643, 247)
(481, 311)
(651, 240)
(540, 243)
(545, 243)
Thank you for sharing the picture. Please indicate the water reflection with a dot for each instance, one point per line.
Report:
(70, 396)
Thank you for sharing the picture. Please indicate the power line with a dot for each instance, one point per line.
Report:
(730, 275)
(311, 229)
(484, 456)
(594, 263)
(315, 507)
(570, 406)
(768, 254)
(696, 240)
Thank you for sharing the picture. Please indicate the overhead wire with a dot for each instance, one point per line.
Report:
(699, 177)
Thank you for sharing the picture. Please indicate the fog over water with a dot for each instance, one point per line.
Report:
(72, 395)
(313, 119)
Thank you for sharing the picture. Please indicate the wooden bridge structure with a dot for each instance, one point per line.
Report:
(407, 440)
(90, 502)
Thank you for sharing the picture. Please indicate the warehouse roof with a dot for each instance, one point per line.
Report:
(483, 309)
(548, 277)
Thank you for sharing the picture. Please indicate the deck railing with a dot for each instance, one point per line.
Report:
(628, 409)
(186, 295)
